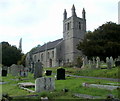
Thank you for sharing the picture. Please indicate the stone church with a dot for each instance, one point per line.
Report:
(64, 50)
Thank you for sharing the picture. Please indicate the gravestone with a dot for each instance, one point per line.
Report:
(93, 63)
(38, 69)
(117, 63)
(4, 71)
(112, 61)
(32, 67)
(9, 70)
(60, 74)
(89, 62)
(107, 59)
(44, 84)
(23, 71)
(48, 72)
(83, 60)
(86, 60)
(14, 70)
(98, 62)
(109, 65)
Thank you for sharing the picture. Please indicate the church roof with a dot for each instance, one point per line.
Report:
(48, 46)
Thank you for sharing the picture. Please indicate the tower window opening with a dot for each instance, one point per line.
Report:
(79, 26)
(53, 54)
(41, 57)
(68, 26)
(48, 55)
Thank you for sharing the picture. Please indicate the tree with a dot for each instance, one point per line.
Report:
(10, 54)
(103, 41)
(22, 61)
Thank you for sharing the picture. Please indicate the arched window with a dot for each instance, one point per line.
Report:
(42, 57)
(79, 25)
(65, 27)
(48, 55)
(53, 54)
(35, 58)
(68, 26)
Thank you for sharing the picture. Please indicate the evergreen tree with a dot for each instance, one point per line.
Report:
(10, 54)
(103, 41)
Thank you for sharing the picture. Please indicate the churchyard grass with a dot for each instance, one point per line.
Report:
(74, 85)
(107, 73)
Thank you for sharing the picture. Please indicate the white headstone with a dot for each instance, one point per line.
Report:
(89, 62)
(109, 66)
(107, 59)
(112, 61)
(98, 62)
(93, 63)
(86, 60)
(83, 60)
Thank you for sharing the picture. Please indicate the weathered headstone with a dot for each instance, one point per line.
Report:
(23, 71)
(44, 84)
(107, 59)
(98, 62)
(118, 58)
(112, 61)
(93, 63)
(60, 74)
(89, 62)
(83, 64)
(109, 65)
(38, 70)
(32, 67)
(86, 60)
(14, 70)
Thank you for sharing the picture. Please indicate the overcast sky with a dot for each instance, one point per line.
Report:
(40, 21)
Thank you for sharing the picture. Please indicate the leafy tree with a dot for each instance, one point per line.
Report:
(22, 61)
(103, 41)
(10, 54)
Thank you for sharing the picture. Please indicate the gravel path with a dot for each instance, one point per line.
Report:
(110, 79)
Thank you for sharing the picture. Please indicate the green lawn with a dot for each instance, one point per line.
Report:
(107, 73)
(74, 85)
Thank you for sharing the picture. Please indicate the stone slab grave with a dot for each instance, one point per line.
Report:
(41, 84)
(26, 84)
(108, 87)
(1, 83)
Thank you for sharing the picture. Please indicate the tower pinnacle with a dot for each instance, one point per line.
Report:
(73, 10)
(65, 14)
(83, 14)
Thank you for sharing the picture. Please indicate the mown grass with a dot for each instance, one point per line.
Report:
(107, 73)
(74, 85)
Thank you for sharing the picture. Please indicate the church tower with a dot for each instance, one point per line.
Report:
(74, 29)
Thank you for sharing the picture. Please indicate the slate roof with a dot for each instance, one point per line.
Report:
(48, 46)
